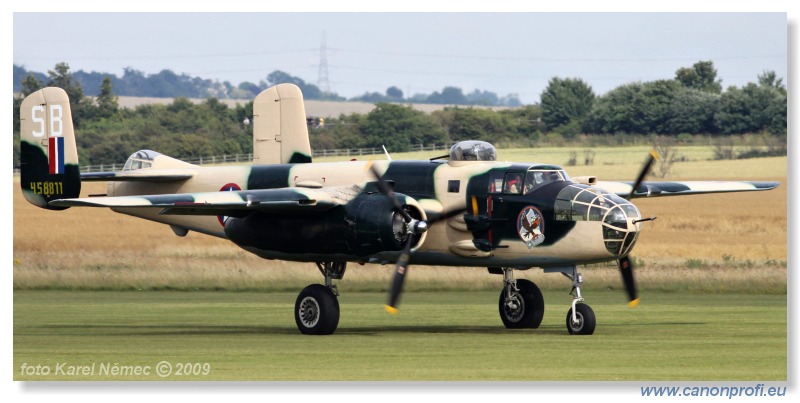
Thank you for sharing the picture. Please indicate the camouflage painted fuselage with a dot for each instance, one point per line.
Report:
(494, 232)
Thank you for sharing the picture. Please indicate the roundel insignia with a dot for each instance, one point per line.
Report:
(228, 187)
(530, 226)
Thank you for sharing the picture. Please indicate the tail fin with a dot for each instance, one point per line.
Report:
(48, 156)
(280, 134)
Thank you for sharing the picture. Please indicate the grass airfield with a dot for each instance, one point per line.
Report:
(445, 336)
(105, 288)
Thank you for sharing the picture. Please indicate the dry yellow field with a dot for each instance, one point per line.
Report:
(704, 243)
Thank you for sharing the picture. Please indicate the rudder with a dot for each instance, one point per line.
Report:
(49, 167)
(280, 134)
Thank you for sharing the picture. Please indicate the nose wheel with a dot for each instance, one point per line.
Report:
(581, 320)
(580, 317)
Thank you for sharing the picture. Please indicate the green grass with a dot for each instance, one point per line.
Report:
(437, 336)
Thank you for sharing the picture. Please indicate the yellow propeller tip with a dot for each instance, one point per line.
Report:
(654, 153)
(633, 303)
(392, 310)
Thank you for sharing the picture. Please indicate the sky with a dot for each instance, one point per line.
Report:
(505, 53)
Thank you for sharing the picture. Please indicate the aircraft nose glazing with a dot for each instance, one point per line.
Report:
(619, 231)
(577, 202)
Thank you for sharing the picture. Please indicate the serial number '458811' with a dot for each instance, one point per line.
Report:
(47, 188)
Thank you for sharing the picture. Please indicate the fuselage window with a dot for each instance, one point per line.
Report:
(453, 186)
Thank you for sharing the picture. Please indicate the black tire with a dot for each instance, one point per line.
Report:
(529, 307)
(316, 310)
(586, 320)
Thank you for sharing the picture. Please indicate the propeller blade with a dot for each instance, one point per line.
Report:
(400, 271)
(387, 190)
(643, 173)
(626, 269)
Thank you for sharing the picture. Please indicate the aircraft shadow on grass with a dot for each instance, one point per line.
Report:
(205, 329)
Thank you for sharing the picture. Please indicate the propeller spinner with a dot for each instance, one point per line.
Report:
(413, 227)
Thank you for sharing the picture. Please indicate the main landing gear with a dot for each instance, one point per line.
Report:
(316, 310)
(522, 305)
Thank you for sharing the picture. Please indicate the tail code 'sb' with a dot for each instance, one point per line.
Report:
(48, 156)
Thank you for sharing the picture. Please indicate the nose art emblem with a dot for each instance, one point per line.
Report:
(530, 226)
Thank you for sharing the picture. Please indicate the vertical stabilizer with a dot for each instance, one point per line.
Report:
(280, 134)
(48, 156)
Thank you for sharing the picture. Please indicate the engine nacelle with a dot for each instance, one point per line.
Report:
(367, 224)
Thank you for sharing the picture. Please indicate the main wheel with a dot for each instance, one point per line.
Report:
(316, 310)
(586, 320)
(524, 309)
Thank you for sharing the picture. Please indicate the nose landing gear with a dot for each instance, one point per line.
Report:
(580, 318)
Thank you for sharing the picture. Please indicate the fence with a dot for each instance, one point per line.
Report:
(247, 158)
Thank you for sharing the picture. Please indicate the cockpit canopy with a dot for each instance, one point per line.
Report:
(524, 183)
(473, 150)
(140, 159)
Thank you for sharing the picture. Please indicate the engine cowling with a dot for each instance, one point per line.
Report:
(366, 225)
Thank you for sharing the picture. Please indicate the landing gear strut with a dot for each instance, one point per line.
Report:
(580, 318)
(521, 302)
(316, 310)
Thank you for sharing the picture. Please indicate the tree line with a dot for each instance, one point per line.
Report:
(167, 84)
(692, 103)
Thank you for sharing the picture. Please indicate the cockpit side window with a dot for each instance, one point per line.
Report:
(537, 178)
(513, 183)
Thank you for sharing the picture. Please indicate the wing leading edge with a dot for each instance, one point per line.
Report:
(234, 203)
(681, 188)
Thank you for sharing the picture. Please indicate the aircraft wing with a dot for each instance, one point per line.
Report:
(146, 175)
(233, 203)
(680, 188)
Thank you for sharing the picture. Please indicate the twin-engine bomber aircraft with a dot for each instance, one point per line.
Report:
(470, 210)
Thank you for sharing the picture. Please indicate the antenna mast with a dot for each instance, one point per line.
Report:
(323, 82)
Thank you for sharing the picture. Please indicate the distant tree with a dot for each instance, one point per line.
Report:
(398, 127)
(478, 97)
(107, 101)
(653, 106)
(394, 93)
(753, 108)
(566, 101)
(62, 78)
(615, 111)
(371, 97)
(473, 124)
(31, 84)
(511, 100)
(449, 96)
(310, 91)
(770, 79)
(692, 111)
(701, 76)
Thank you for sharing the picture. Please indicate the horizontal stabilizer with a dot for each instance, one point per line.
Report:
(161, 175)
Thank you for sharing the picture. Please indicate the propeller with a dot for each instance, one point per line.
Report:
(625, 264)
(414, 227)
(626, 269)
(643, 173)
